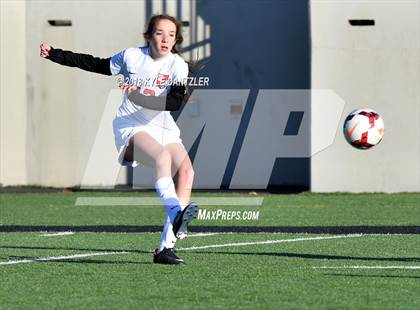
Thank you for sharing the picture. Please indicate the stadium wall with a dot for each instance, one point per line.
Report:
(57, 131)
(373, 67)
(13, 168)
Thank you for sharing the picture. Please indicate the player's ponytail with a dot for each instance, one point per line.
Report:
(194, 67)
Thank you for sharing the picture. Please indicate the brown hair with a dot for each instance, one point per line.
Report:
(151, 27)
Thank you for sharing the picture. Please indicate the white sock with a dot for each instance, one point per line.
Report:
(165, 189)
(183, 206)
(168, 239)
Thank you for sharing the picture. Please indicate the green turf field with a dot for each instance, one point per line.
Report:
(227, 271)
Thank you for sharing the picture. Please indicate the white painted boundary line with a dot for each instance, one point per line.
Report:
(64, 233)
(52, 258)
(266, 242)
(366, 267)
(205, 234)
(154, 201)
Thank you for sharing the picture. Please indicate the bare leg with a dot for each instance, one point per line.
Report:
(181, 164)
(148, 151)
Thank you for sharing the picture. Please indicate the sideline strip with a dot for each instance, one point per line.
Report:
(265, 242)
(366, 267)
(52, 258)
(334, 230)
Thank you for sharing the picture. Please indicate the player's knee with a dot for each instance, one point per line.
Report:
(163, 158)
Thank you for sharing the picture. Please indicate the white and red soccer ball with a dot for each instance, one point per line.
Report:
(363, 128)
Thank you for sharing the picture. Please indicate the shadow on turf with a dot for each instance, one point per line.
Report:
(370, 276)
(73, 249)
(98, 261)
(316, 256)
(78, 261)
(81, 261)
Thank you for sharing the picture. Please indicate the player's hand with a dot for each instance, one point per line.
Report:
(45, 50)
(125, 88)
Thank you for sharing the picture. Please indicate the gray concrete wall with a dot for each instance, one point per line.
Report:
(375, 67)
(13, 125)
(66, 104)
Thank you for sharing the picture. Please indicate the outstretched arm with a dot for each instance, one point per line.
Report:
(171, 102)
(82, 61)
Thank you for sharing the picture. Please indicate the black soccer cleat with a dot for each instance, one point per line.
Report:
(183, 218)
(167, 256)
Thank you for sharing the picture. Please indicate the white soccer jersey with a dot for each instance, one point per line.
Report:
(138, 68)
(154, 78)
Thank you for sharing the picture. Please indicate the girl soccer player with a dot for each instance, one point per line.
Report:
(144, 129)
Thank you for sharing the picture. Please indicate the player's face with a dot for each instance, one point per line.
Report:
(163, 38)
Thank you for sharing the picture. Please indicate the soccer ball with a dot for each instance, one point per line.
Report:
(363, 128)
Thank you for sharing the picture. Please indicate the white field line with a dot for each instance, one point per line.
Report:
(266, 242)
(63, 233)
(51, 258)
(205, 234)
(366, 267)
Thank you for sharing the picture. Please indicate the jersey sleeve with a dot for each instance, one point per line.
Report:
(82, 61)
(117, 63)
